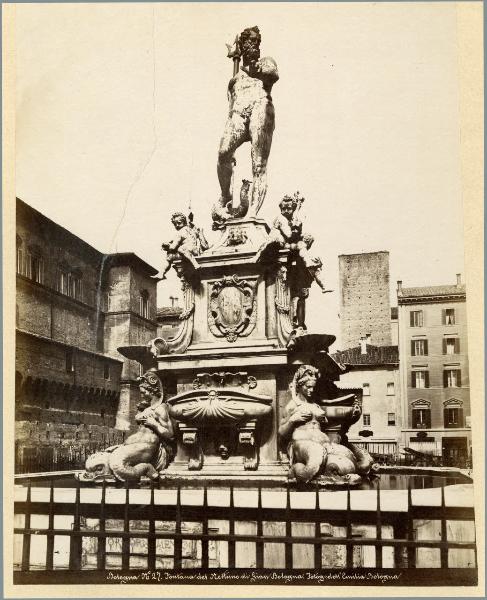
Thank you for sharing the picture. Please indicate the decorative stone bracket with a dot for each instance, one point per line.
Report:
(191, 441)
(249, 445)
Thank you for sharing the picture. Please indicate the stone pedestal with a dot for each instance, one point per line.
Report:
(231, 368)
(227, 374)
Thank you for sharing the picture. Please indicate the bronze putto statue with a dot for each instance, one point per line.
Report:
(188, 242)
(303, 267)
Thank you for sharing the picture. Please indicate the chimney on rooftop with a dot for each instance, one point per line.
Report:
(459, 279)
(363, 345)
(399, 287)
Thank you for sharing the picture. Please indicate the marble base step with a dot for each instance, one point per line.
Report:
(229, 473)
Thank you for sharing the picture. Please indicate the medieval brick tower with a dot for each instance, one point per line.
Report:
(364, 298)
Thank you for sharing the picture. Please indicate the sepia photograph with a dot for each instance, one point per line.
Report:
(244, 347)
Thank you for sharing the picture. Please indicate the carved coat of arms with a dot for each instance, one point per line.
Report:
(232, 307)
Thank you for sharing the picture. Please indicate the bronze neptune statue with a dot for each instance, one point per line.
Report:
(250, 119)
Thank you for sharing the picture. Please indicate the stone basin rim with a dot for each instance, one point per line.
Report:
(249, 481)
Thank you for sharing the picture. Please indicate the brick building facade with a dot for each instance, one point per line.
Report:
(434, 370)
(364, 298)
(74, 307)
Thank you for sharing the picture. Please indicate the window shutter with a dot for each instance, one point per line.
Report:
(412, 348)
(459, 378)
(457, 346)
(443, 316)
(461, 422)
(428, 419)
(415, 418)
(445, 378)
(445, 418)
(411, 319)
(426, 347)
(444, 345)
(413, 379)
(426, 379)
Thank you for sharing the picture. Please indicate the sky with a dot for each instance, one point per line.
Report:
(120, 109)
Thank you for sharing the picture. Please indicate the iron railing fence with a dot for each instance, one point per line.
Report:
(43, 459)
(117, 531)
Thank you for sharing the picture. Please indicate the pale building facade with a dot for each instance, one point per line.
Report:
(375, 370)
(433, 350)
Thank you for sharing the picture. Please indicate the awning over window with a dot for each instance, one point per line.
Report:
(433, 448)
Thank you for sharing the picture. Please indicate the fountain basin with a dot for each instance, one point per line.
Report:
(390, 479)
(218, 406)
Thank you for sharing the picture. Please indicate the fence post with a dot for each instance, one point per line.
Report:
(151, 541)
(50, 535)
(178, 542)
(444, 547)
(289, 546)
(259, 546)
(378, 547)
(126, 530)
(410, 520)
(204, 541)
(26, 538)
(231, 531)
(102, 540)
(76, 544)
(349, 551)
(318, 548)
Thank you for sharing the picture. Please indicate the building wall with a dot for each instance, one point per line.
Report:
(169, 328)
(394, 327)
(125, 326)
(62, 403)
(378, 404)
(69, 374)
(364, 298)
(436, 396)
(168, 321)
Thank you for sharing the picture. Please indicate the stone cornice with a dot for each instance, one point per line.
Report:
(431, 299)
(131, 313)
(44, 338)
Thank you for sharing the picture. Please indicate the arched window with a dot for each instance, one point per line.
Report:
(144, 309)
(30, 262)
(20, 256)
(35, 264)
(69, 281)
